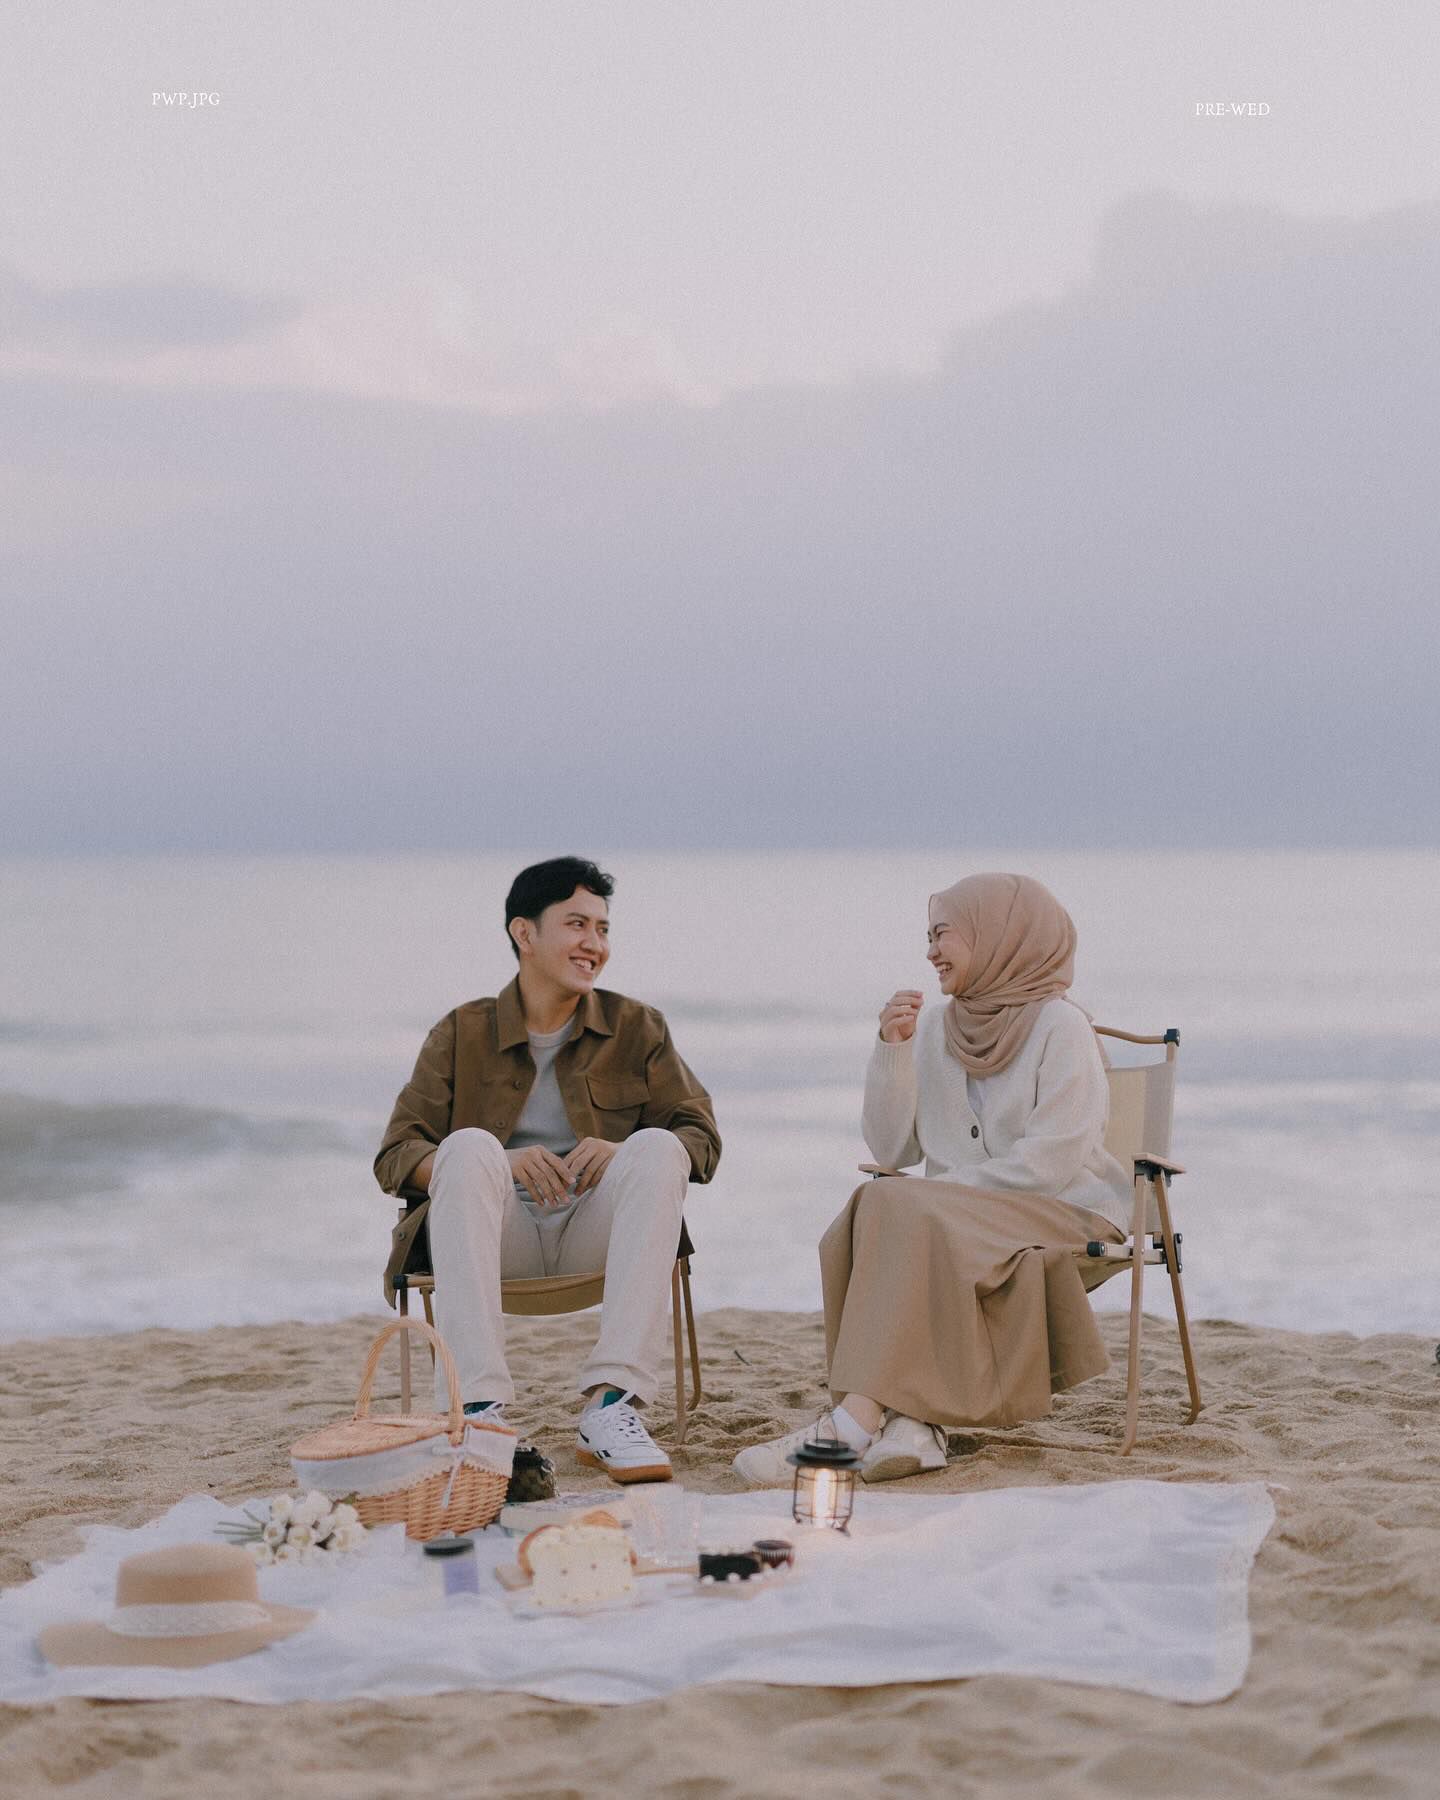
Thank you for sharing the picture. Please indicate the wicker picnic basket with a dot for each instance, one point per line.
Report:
(430, 1472)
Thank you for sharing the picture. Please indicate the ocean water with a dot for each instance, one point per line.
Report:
(198, 1056)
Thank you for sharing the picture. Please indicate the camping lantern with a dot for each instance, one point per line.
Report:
(824, 1493)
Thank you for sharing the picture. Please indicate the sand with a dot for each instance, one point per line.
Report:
(1343, 1694)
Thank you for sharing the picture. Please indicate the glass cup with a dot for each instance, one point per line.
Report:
(665, 1528)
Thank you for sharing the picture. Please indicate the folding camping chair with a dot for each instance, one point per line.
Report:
(540, 1296)
(1142, 1102)
(1142, 1105)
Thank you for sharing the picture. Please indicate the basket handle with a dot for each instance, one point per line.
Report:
(447, 1363)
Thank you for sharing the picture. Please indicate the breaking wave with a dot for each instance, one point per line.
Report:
(53, 1149)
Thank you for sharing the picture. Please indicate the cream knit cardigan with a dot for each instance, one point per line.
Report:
(1036, 1127)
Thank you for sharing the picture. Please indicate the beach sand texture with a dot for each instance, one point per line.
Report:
(1342, 1698)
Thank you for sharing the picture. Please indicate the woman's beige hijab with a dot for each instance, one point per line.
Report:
(1022, 952)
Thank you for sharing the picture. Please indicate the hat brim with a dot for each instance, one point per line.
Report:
(93, 1645)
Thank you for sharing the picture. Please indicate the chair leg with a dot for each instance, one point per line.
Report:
(1137, 1289)
(404, 1353)
(681, 1418)
(427, 1300)
(1167, 1235)
(696, 1396)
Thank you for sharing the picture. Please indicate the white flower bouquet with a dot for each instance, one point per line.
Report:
(304, 1529)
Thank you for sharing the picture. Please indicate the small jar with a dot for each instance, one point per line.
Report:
(453, 1560)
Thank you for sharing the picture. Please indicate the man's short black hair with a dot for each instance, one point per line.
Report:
(547, 883)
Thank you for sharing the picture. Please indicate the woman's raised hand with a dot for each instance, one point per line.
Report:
(898, 1015)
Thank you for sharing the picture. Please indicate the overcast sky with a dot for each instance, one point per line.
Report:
(773, 423)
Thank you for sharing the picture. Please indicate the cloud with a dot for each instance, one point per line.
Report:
(125, 318)
(1155, 563)
(423, 343)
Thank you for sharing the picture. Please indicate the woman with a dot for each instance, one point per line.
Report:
(956, 1299)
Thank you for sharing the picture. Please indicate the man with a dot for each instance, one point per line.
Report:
(554, 1129)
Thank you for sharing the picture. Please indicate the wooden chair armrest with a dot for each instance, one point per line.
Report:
(878, 1169)
(1145, 1162)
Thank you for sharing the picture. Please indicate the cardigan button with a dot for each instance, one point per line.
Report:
(974, 1131)
(516, 1082)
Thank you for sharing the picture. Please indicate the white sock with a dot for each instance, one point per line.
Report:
(854, 1434)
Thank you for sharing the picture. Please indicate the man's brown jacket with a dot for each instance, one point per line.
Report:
(618, 1072)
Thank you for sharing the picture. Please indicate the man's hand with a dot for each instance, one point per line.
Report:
(898, 1015)
(588, 1161)
(541, 1173)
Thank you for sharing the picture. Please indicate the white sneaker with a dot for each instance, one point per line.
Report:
(767, 1465)
(904, 1447)
(613, 1439)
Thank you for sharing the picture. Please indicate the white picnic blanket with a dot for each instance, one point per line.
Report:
(1130, 1584)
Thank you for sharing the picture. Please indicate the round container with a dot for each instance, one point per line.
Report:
(453, 1559)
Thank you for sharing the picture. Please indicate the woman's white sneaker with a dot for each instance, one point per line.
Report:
(764, 1465)
(904, 1447)
(768, 1465)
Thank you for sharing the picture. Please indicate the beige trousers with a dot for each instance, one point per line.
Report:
(958, 1305)
(481, 1235)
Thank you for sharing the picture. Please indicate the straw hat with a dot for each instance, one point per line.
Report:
(179, 1609)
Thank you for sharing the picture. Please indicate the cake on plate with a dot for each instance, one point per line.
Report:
(578, 1565)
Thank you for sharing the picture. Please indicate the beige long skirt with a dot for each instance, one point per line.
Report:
(959, 1305)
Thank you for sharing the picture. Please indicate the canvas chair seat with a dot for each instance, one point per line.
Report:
(547, 1296)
